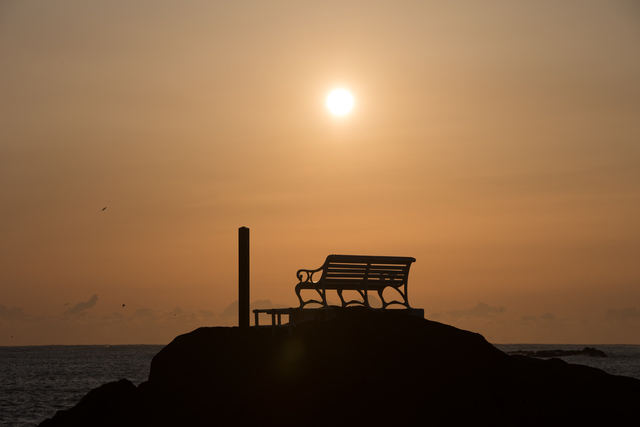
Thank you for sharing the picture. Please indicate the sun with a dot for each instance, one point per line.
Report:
(340, 102)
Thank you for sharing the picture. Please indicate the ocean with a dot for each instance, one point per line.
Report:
(621, 359)
(37, 381)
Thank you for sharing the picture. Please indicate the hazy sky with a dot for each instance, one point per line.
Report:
(497, 142)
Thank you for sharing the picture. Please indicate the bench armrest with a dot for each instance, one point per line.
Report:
(306, 276)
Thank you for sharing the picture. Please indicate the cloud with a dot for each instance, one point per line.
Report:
(480, 310)
(265, 303)
(229, 315)
(206, 314)
(547, 317)
(82, 306)
(143, 326)
(148, 326)
(231, 311)
(144, 313)
(627, 313)
(14, 313)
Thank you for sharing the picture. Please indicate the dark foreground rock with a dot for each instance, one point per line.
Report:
(361, 368)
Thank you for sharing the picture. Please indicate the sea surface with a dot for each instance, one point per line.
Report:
(37, 381)
(620, 360)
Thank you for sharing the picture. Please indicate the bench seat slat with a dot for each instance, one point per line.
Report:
(364, 268)
(346, 270)
(369, 259)
(367, 267)
(347, 264)
(337, 281)
(362, 276)
(367, 270)
(336, 284)
(365, 264)
(381, 275)
(388, 267)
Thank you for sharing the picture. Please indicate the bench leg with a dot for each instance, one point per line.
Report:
(273, 323)
(365, 297)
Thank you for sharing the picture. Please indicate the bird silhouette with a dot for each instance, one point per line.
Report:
(104, 208)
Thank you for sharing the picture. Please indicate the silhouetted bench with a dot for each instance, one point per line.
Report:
(358, 273)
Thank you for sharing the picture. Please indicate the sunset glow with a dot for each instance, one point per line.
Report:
(340, 102)
(497, 143)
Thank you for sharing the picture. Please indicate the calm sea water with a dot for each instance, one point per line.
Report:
(621, 360)
(35, 382)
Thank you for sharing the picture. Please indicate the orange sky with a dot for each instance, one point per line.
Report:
(496, 142)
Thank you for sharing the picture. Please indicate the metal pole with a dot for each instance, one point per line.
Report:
(243, 278)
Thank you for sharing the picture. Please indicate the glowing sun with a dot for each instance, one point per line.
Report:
(340, 102)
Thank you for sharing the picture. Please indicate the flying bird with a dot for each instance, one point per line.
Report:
(104, 208)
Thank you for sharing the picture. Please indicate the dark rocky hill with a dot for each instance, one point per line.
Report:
(361, 368)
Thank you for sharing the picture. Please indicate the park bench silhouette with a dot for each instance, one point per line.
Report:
(360, 273)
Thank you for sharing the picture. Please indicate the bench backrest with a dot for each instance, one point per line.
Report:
(353, 271)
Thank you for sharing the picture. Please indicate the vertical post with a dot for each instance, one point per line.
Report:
(243, 277)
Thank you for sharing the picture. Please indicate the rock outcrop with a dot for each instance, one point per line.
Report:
(361, 368)
(587, 351)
